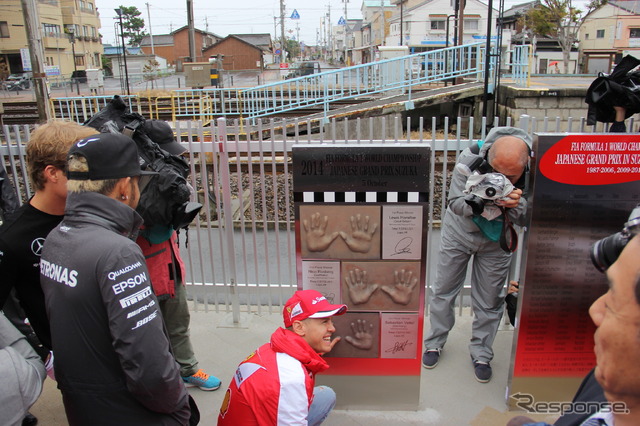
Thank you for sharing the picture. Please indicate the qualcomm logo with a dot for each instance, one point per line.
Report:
(36, 246)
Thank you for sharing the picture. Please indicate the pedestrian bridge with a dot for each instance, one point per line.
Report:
(404, 78)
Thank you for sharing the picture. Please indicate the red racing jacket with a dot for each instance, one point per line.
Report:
(164, 263)
(274, 385)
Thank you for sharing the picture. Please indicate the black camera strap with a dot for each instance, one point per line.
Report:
(508, 236)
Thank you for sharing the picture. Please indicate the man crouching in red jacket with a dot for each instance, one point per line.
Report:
(275, 384)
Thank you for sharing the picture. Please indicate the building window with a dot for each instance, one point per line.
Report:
(51, 30)
(80, 60)
(471, 24)
(634, 33)
(586, 36)
(438, 25)
(599, 33)
(4, 29)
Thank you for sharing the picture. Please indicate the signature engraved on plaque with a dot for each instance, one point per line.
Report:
(403, 246)
(398, 347)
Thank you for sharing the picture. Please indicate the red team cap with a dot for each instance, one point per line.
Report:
(309, 304)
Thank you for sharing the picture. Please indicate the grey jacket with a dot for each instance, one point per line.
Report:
(112, 357)
(459, 213)
(21, 374)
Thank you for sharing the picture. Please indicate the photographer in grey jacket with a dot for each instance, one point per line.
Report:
(21, 374)
(113, 362)
(485, 197)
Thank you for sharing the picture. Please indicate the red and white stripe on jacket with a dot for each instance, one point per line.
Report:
(274, 385)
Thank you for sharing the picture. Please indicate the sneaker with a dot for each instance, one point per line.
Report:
(482, 371)
(430, 358)
(203, 381)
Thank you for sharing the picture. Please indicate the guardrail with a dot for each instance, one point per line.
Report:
(390, 76)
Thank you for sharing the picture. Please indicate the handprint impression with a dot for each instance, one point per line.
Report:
(362, 335)
(402, 288)
(360, 239)
(359, 289)
(317, 240)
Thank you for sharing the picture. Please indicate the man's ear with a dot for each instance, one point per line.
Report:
(122, 190)
(52, 173)
(298, 328)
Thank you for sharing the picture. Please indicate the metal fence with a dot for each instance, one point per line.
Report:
(240, 251)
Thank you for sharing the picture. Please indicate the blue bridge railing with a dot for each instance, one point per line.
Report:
(391, 76)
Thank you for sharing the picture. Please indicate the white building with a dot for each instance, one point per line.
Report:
(425, 24)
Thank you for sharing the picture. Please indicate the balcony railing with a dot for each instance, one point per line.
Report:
(49, 2)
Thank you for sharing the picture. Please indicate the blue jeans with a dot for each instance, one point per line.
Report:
(324, 399)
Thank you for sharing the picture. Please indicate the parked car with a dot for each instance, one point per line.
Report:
(18, 82)
(79, 75)
(304, 68)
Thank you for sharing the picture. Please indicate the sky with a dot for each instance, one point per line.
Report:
(238, 16)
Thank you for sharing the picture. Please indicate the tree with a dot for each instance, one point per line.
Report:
(557, 19)
(132, 25)
(293, 48)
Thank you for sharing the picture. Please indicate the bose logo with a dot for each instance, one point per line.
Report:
(129, 283)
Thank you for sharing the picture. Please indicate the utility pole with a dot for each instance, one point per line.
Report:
(330, 29)
(402, 22)
(282, 39)
(382, 28)
(192, 32)
(153, 50)
(36, 54)
(346, 30)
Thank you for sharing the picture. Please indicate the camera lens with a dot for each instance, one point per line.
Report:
(605, 252)
(490, 192)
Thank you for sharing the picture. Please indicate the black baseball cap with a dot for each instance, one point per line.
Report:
(161, 133)
(109, 156)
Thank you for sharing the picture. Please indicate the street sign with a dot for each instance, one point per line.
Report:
(342, 21)
(284, 65)
(278, 51)
(295, 14)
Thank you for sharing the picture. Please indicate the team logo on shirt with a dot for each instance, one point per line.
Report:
(36, 246)
(225, 403)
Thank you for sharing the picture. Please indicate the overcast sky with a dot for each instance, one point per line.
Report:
(236, 16)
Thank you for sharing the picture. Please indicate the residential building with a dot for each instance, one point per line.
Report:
(546, 55)
(609, 33)
(425, 24)
(174, 47)
(69, 30)
(239, 53)
(375, 16)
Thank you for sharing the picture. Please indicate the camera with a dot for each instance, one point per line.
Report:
(489, 186)
(184, 214)
(606, 251)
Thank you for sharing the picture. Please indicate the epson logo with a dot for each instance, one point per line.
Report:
(115, 274)
(130, 283)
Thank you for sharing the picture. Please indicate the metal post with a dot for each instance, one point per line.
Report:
(124, 51)
(75, 66)
(487, 64)
(225, 181)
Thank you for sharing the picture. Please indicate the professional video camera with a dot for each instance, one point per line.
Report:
(165, 200)
(606, 251)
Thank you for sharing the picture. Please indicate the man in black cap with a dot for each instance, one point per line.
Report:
(167, 273)
(113, 361)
